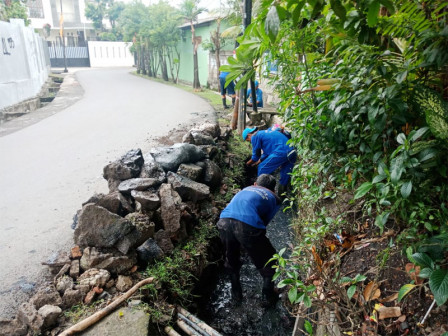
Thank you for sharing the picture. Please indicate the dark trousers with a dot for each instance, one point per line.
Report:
(234, 234)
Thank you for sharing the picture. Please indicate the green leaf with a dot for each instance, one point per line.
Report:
(438, 282)
(401, 138)
(372, 14)
(351, 291)
(285, 282)
(422, 259)
(363, 189)
(418, 134)
(283, 14)
(406, 189)
(308, 327)
(338, 9)
(272, 24)
(404, 291)
(345, 279)
(425, 273)
(307, 301)
(402, 76)
(292, 294)
(378, 178)
(360, 278)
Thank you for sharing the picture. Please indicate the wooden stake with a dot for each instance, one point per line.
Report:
(91, 320)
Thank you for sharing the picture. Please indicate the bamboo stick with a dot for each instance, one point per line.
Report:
(201, 324)
(193, 325)
(171, 332)
(84, 324)
(185, 327)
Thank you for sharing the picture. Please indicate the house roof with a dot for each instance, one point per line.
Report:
(199, 23)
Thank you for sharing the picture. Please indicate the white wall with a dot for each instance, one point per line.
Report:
(110, 54)
(23, 66)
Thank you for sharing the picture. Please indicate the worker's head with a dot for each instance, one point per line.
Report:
(266, 181)
(248, 132)
(256, 84)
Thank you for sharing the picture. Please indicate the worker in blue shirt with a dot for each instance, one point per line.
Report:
(230, 89)
(243, 223)
(258, 95)
(269, 152)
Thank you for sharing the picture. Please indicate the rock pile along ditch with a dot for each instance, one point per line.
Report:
(161, 209)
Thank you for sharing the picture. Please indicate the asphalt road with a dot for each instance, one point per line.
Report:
(54, 163)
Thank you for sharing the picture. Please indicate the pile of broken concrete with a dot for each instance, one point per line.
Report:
(154, 202)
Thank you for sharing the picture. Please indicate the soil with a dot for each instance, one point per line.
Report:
(373, 254)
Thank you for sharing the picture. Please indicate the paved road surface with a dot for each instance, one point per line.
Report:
(49, 168)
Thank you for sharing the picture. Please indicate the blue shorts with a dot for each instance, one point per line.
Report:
(230, 88)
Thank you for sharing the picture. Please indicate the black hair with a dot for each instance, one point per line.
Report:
(266, 181)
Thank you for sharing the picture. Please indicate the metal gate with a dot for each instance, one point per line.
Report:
(76, 56)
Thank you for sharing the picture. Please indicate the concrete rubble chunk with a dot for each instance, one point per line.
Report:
(74, 269)
(124, 283)
(49, 315)
(94, 277)
(143, 224)
(99, 227)
(198, 138)
(148, 252)
(46, 295)
(211, 129)
(212, 175)
(28, 315)
(128, 166)
(124, 321)
(210, 151)
(75, 252)
(108, 259)
(57, 260)
(170, 213)
(170, 158)
(188, 190)
(151, 169)
(64, 283)
(149, 201)
(12, 327)
(71, 298)
(116, 203)
(163, 240)
(191, 171)
(140, 184)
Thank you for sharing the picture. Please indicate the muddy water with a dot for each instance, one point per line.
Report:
(248, 318)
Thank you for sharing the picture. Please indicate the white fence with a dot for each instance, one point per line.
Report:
(110, 54)
(24, 65)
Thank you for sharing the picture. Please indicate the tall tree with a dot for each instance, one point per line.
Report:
(13, 9)
(190, 11)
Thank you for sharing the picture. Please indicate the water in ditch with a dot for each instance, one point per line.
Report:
(215, 305)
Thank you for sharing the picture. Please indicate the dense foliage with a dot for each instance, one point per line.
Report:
(154, 32)
(13, 9)
(364, 88)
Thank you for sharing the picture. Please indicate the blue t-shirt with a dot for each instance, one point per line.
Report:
(223, 74)
(269, 141)
(254, 205)
(258, 94)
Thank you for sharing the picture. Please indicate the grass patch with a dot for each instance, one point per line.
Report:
(212, 97)
(175, 274)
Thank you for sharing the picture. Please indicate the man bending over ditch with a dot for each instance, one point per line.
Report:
(243, 223)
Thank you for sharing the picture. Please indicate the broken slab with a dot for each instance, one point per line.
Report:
(99, 227)
(188, 190)
(170, 158)
(109, 259)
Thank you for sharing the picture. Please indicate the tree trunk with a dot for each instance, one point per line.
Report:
(196, 83)
(163, 65)
(217, 42)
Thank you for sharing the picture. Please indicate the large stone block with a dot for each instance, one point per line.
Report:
(109, 259)
(99, 227)
(188, 190)
(128, 166)
(191, 171)
(170, 158)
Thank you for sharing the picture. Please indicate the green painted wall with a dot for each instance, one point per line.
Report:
(186, 52)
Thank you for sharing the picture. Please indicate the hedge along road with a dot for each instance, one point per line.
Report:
(48, 169)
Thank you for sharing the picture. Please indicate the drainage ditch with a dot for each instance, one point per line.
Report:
(215, 306)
